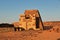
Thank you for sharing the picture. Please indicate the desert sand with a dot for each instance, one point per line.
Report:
(51, 34)
(30, 35)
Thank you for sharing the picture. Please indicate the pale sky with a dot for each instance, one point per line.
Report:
(11, 9)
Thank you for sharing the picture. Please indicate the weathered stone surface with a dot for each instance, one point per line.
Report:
(30, 19)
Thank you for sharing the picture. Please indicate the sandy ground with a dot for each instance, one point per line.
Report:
(30, 35)
(10, 34)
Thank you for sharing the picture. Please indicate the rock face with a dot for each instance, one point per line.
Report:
(31, 19)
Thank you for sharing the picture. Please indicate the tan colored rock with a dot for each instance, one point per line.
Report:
(30, 19)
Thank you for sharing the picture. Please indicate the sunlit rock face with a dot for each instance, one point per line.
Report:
(31, 19)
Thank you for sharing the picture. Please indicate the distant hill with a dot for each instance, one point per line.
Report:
(6, 25)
